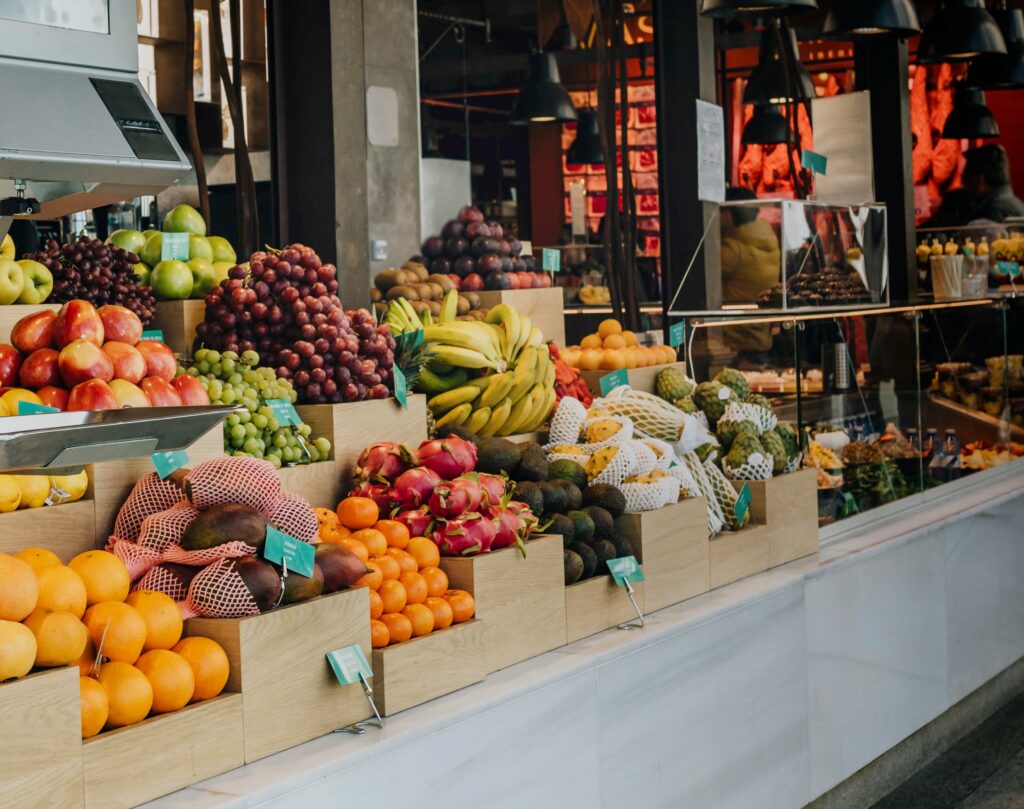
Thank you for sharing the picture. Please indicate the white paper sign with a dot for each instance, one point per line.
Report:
(711, 151)
(577, 202)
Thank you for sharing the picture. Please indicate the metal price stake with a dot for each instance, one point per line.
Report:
(625, 571)
(350, 666)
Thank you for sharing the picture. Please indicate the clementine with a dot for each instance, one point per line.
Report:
(17, 650)
(421, 617)
(372, 579)
(105, 576)
(95, 706)
(60, 588)
(399, 627)
(373, 539)
(415, 587)
(171, 678)
(326, 517)
(406, 561)
(396, 534)
(462, 604)
(376, 605)
(162, 617)
(442, 610)
(358, 512)
(60, 636)
(117, 629)
(87, 660)
(379, 634)
(19, 589)
(356, 547)
(437, 580)
(129, 693)
(39, 557)
(393, 595)
(424, 551)
(389, 566)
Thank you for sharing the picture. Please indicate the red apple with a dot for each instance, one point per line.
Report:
(93, 394)
(128, 362)
(472, 283)
(456, 279)
(41, 369)
(54, 397)
(545, 280)
(160, 392)
(10, 364)
(129, 395)
(535, 277)
(33, 332)
(160, 360)
(191, 391)
(82, 360)
(77, 320)
(513, 281)
(120, 324)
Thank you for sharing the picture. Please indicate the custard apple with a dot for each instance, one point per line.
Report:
(705, 451)
(687, 405)
(760, 401)
(790, 440)
(728, 430)
(772, 442)
(745, 448)
(712, 397)
(732, 378)
(672, 384)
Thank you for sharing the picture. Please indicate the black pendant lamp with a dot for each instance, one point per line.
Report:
(995, 71)
(766, 127)
(867, 18)
(960, 30)
(586, 149)
(542, 99)
(755, 8)
(970, 117)
(767, 83)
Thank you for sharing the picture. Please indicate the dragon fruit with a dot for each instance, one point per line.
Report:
(512, 530)
(468, 535)
(383, 462)
(449, 457)
(418, 521)
(377, 492)
(460, 496)
(523, 511)
(414, 487)
(493, 487)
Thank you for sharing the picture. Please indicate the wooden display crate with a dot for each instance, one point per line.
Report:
(419, 670)
(544, 307)
(41, 741)
(738, 555)
(641, 379)
(138, 763)
(519, 600)
(279, 664)
(178, 321)
(12, 313)
(320, 484)
(67, 529)
(672, 545)
(598, 604)
(788, 505)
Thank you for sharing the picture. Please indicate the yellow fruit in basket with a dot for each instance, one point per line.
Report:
(72, 486)
(609, 327)
(634, 356)
(602, 430)
(15, 395)
(95, 706)
(118, 630)
(162, 617)
(4, 412)
(10, 494)
(592, 341)
(60, 636)
(39, 558)
(17, 650)
(60, 588)
(129, 693)
(35, 490)
(19, 590)
(105, 576)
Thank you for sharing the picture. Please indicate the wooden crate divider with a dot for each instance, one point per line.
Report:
(138, 763)
(279, 664)
(738, 555)
(788, 505)
(519, 600)
(598, 604)
(419, 670)
(544, 306)
(41, 741)
(178, 321)
(672, 545)
(641, 379)
(67, 529)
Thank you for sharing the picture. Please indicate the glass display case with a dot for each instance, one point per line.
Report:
(989, 249)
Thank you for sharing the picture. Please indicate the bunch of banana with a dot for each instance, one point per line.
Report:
(402, 318)
(493, 377)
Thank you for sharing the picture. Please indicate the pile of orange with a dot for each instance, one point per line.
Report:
(611, 348)
(409, 595)
(53, 614)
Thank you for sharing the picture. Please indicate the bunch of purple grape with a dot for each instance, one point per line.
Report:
(88, 269)
(285, 307)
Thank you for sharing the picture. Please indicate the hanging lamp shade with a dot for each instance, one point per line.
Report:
(755, 8)
(960, 30)
(970, 117)
(995, 71)
(767, 83)
(586, 149)
(766, 127)
(866, 18)
(542, 99)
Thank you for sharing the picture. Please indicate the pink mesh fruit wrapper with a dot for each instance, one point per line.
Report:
(163, 579)
(136, 559)
(295, 517)
(166, 527)
(237, 479)
(218, 592)
(140, 560)
(148, 496)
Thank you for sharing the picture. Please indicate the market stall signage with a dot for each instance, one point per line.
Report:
(814, 162)
(677, 334)
(401, 388)
(33, 409)
(626, 569)
(167, 463)
(1011, 268)
(284, 411)
(349, 664)
(157, 335)
(616, 379)
(174, 247)
(289, 552)
(742, 504)
(551, 260)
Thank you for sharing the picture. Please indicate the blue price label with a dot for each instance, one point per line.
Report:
(677, 334)
(401, 390)
(284, 411)
(625, 569)
(348, 663)
(814, 162)
(167, 463)
(174, 247)
(742, 504)
(616, 379)
(551, 260)
(282, 549)
(156, 335)
(1011, 268)
(33, 409)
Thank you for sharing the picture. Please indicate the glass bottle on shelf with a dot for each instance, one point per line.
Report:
(951, 451)
(914, 439)
(931, 444)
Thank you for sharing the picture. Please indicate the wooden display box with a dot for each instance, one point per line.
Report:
(320, 484)
(279, 664)
(520, 600)
(788, 505)
(13, 312)
(41, 741)
(419, 670)
(738, 555)
(178, 321)
(641, 379)
(598, 604)
(544, 307)
(138, 763)
(672, 545)
(67, 529)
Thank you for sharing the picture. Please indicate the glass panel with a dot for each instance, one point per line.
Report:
(92, 16)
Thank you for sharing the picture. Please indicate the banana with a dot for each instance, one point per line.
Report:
(499, 415)
(525, 327)
(461, 357)
(449, 306)
(427, 318)
(536, 338)
(539, 415)
(444, 402)
(478, 420)
(481, 382)
(505, 316)
(464, 334)
(411, 314)
(549, 378)
(520, 413)
(433, 384)
(540, 371)
(498, 388)
(456, 415)
(523, 377)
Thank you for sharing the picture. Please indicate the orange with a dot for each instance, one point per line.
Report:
(614, 341)
(60, 636)
(633, 357)
(17, 650)
(389, 566)
(60, 588)
(630, 338)
(437, 580)
(415, 587)
(95, 706)
(87, 660)
(376, 605)
(334, 534)
(613, 359)
(379, 634)
(209, 662)
(424, 551)
(326, 517)
(39, 557)
(125, 630)
(396, 534)
(105, 576)
(405, 560)
(590, 359)
(171, 677)
(129, 693)
(399, 627)
(462, 604)
(591, 341)
(356, 547)
(442, 610)
(19, 589)
(421, 618)
(358, 512)
(373, 539)
(162, 617)
(372, 579)
(393, 595)
(609, 327)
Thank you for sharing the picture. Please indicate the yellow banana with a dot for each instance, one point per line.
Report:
(505, 316)
(549, 377)
(540, 371)
(525, 326)
(464, 334)
(541, 413)
(520, 413)
(444, 402)
(478, 420)
(456, 415)
(497, 389)
(460, 357)
(499, 415)
(449, 306)
(523, 378)
(536, 338)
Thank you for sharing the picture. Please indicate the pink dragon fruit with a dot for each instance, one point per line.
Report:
(383, 462)
(460, 496)
(494, 487)
(377, 492)
(530, 520)
(512, 530)
(414, 487)
(468, 535)
(418, 521)
(449, 457)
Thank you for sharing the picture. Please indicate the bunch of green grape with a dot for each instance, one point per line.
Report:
(231, 379)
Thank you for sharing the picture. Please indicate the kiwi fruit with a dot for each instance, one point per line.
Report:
(403, 291)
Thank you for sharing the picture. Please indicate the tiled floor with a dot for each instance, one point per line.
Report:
(985, 770)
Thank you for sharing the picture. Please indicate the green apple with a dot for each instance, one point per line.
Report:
(12, 280)
(184, 219)
(38, 282)
(221, 268)
(151, 252)
(142, 272)
(149, 232)
(199, 247)
(222, 249)
(131, 240)
(204, 277)
(171, 281)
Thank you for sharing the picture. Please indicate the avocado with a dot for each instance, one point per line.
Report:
(496, 455)
(623, 547)
(533, 463)
(560, 524)
(603, 550)
(573, 566)
(582, 526)
(565, 469)
(530, 494)
(301, 588)
(607, 497)
(448, 430)
(226, 523)
(555, 500)
(574, 496)
(261, 579)
(604, 523)
(586, 553)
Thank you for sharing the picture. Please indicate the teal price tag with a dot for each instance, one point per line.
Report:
(742, 504)
(616, 379)
(677, 334)
(551, 260)
(1010, 268)
(401, 391)
(626, 569)
(167, 463)
(174, 247)
(349, 663)
(156, 335)
(33, 409)
(814, 162)
(289, 552)
(284, 411)
(849, 505)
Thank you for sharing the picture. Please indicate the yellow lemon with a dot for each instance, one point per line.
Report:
(15, 395)
(72, 486)
(4, 412)
(35, 489)
(10, 494)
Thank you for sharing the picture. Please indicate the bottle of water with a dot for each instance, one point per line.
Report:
(951, 449)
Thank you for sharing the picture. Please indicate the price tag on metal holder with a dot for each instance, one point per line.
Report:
(167, 463)
(33, 409)
(742, 504)
(616, 379)
(401, 389)
(551, 260)
(677, 334)
(289, 552)
(350, 666)
(625, 572)
(156, 335)
(174, 247)
(284, 411)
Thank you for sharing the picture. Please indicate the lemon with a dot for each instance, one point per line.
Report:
(35, 489)
(15, 395)
(10, 493)
(3, 409)
(73, 486)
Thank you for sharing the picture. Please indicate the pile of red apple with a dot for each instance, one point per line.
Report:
(83, 358)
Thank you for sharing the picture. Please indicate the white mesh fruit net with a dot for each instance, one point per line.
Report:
(726, 495)
(651, 415)
(618, 468)
(761, 418)
(716, 518)
(643, 496)
(622, 436)
(646, 460)
(567, 421)
(664, 453)
(757, 467)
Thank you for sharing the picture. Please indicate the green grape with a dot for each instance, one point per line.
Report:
(227, 397)
(237, 442)
(323, 445)
(260, 421)
(233, 419)
(228, 366)
(215, 389)
(314, 455)
(244, 417)
(273, 425)
(238, 433)
(250, 358)
(280, 441)
(193, 371)
(212, 356)
(234, 379)
(204, 367)
(304, 430)
(251, 447)
(217, 369)
(250, 429)
(274, 461)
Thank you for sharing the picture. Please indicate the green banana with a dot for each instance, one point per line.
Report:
(427, 318)
(456, 415)
(433, 384)
(444, 402)
(478, 420)
(498, 388)
(499, 415)
(461, 357)
(411, 315)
